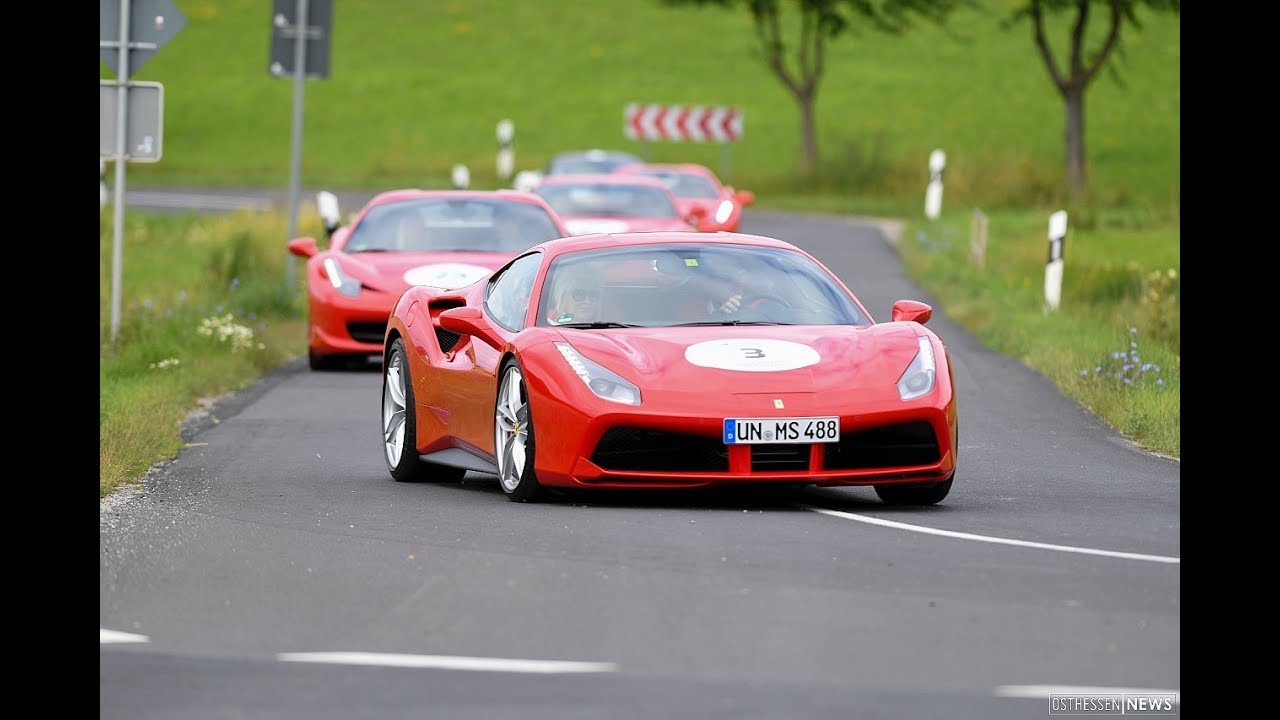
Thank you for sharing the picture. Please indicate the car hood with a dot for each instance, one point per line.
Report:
(397, 272)
(755, 359)
(587, 224)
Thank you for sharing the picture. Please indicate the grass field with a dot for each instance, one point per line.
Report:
(415, 88)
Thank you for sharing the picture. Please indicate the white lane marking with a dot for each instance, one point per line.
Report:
(997, 540)
(115, 636)
(449, 662)
(1042, 692)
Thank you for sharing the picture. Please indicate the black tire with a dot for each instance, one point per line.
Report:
(930, 494)
(400, 425)
(513, 437)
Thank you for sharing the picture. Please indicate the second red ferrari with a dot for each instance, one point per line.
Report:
(403, 238)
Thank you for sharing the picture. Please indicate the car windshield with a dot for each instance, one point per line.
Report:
(684, 284)
(685, 185)
(608, 200)
(451, 225)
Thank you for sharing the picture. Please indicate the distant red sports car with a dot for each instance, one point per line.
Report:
(666, 360)
(611, 203)
(595, 160)
(402, 238)
(696, 187)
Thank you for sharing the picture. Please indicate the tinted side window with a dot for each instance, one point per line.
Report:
(507, 297)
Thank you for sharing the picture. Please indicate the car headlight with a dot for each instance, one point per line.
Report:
(724, 211)
(920, 374)
(341, 281)
(603, 382)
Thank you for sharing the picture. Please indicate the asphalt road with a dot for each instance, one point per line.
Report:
(275, 570)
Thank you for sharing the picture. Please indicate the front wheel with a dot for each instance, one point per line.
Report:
(400, 423)
(513, 439)
(930, 494)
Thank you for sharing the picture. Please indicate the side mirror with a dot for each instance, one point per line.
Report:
(912, 310)
(469, 321)
(745, 197)
(327, 205)
(303, 247)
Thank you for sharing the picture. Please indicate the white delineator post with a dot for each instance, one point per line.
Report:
(461, 177)
(526, 180)
(1053, 267)
(933, 195)
(506, 157)
(978, 239)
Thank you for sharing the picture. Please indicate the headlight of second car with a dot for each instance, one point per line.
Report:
(920, 374)
(341, 281)
(724, 211)
(603, 382)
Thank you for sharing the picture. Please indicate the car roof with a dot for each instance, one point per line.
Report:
(594, 241)
(593, 153)
(419, 193)
(669, 167)
(607, 178)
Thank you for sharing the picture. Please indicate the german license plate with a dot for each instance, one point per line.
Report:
(754, 431)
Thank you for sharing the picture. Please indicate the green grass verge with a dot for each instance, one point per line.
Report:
(1114, 341)
(204, 311)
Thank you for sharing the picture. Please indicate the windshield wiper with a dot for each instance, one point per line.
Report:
(596, 325)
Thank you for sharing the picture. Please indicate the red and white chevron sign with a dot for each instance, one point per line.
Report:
(680, 123)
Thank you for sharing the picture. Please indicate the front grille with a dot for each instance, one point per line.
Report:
(624, 449)
(367, 332)
(911, 443)
(641, 449)
(774, 458)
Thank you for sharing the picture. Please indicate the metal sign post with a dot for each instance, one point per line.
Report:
(291, 52)
(131, 32)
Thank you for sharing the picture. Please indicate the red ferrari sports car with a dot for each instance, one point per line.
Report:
(402, 238)
(610, 203)
(666, 360)
(696, 186)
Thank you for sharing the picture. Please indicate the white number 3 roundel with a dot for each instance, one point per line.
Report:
(751, 355)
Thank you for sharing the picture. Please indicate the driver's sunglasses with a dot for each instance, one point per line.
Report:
(580, 294)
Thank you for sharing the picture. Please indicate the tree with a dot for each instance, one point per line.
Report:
(1082, 64)
(820, 21)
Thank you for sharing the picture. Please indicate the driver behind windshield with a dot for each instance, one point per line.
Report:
(576, 297)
